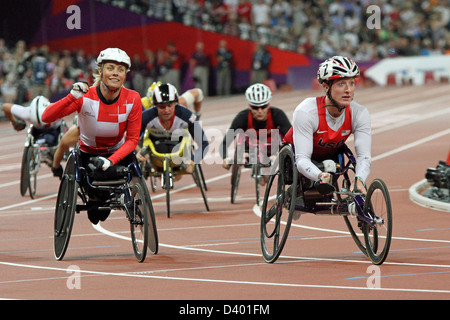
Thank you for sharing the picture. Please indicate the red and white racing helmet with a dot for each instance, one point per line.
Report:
(337, 67)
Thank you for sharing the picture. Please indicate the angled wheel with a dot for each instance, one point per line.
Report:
(33, 168)
(25, 171)
(65, 210)
(142, 224)
(197, 175)
(256, 168)
(378, 236)
(235, 176)
(167, 183)
(278, 206)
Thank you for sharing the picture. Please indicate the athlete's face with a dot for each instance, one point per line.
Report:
(342, 90)
(166, 111)
(113, 75)
(259, 113)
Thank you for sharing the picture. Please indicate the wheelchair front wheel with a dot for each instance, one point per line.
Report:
(197, 174)
(65, 210)
(378, 235)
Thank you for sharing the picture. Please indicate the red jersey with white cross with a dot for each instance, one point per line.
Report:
(325, 140)
(103, 124)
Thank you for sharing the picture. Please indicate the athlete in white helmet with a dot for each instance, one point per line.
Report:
(43, 132)
(321, 125)
(259, 115)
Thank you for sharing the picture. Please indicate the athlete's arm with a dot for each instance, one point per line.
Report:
(304, 127)
(61, 108)
(363, 142)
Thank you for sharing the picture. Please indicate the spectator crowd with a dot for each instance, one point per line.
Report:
(316, 28)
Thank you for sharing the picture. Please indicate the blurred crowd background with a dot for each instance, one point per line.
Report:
(315, 28)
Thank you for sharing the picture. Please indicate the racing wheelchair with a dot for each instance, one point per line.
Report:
(368, 215)
(167, 166)
(36, 151)
(249, 153)
(83, 187)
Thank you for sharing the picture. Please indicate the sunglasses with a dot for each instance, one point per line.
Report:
(259, 107)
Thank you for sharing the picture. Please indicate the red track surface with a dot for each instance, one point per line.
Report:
(216, 254)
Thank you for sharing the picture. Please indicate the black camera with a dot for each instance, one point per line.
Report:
(439, 177)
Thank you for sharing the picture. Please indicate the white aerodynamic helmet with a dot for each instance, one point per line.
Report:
(258, 95)
(37, 107)
(337, 67)
(114, 54)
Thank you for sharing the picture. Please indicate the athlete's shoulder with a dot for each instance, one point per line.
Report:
(184, 113)
(309, 105)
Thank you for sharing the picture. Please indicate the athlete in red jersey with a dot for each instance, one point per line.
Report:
(321, 125)
(259, 116)
(109, 116)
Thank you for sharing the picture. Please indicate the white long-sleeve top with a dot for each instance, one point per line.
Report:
(306, 124)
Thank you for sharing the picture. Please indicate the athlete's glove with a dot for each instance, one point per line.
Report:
(329, 166)
(106, 163)
(79, 88)
(19, 124)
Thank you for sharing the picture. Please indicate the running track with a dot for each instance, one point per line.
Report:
(216, 255)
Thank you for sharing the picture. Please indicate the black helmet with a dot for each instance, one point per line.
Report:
(165, 93)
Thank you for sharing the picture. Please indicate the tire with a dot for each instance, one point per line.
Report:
(278, 206)
(65, 210)
(167, 183)
(197, 175)
(139, 221)
(25, 172)
(378, 235)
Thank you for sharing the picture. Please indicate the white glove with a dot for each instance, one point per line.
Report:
(78, 89)
(325, 177)
(106, 163)
(329, 166)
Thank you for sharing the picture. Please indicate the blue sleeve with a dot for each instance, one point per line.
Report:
(196, 131)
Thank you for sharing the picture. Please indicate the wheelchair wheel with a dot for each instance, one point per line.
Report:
(29, 170)
(33, 167)
(235, 177)
(65, 210)
(278, 206)
(378, 236)
(256, 169)
(142, 224)
(24, 172)
(167, 183)
(197, 175)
